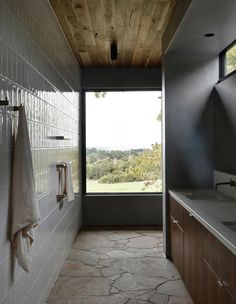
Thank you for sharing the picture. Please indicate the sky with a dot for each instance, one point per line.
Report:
(123, 120)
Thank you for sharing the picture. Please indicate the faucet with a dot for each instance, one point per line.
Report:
(231, 183)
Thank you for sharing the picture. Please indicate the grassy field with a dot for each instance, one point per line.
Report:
(94, 186)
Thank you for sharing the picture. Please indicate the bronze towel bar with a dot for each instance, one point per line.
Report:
(61, 192)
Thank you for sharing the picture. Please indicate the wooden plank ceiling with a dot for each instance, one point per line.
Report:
(136, 26)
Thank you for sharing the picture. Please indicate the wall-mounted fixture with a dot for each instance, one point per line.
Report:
(113, 51)
(59, 137)
(230, 183)
(61, 168)
(5, 102)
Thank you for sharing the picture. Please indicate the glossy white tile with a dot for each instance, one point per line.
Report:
(38, 70)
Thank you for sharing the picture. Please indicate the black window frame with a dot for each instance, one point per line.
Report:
(222, 65)
(83, 143)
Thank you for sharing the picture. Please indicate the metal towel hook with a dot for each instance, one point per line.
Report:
(5, 102)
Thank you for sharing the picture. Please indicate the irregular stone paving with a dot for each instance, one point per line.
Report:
(118, 267)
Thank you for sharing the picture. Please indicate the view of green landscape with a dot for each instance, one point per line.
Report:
(123, 148)
(130, 171)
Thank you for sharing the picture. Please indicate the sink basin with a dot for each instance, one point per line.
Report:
(204, 197)
(230, 225)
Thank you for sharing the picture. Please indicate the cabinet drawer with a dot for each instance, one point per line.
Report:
(177, 212)
(222, 261)
(214, 291)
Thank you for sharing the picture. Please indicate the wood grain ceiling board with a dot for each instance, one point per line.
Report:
(137, 26)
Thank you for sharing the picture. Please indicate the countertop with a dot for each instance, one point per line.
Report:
(210, 212)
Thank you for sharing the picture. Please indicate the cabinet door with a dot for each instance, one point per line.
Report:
(222, 261)
(214, 291)
(228, 270)
(177, 212)
(176, 243)
(193, 235)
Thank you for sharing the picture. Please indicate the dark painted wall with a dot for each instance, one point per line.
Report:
(189, 81)
(121, 78)
(124, 210)
(121, 209)
(225, 126)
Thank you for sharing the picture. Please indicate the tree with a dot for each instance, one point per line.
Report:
(125, 166)
(100, 94)
(231, 59)
(159, 116)
(149, 163)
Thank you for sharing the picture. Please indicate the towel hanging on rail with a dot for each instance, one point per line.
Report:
(25, 212)
(69, 182)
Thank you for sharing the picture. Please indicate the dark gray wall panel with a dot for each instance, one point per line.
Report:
(122, 210)
(121, 78)
(225, 126)
(174, 23)
(189, 81)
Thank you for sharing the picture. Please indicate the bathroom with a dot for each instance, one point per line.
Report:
(39, 71)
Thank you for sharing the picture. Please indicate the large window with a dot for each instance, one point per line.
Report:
(228, 60)
(123, 141)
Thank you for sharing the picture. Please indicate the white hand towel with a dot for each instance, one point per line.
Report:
(69, 182)
(25, 212)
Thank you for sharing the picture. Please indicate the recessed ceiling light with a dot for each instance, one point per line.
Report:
(209, 34)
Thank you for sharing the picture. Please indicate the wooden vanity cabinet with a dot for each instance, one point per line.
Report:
(207, 267)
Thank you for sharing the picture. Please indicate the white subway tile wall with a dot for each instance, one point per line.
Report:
(38, 70)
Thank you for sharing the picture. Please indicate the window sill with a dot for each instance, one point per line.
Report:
(123, 194)
(226, 76)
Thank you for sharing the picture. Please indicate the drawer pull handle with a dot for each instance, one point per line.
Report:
(220, 283)
(225, 283)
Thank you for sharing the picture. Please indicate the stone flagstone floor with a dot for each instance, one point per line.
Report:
(118, 267)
